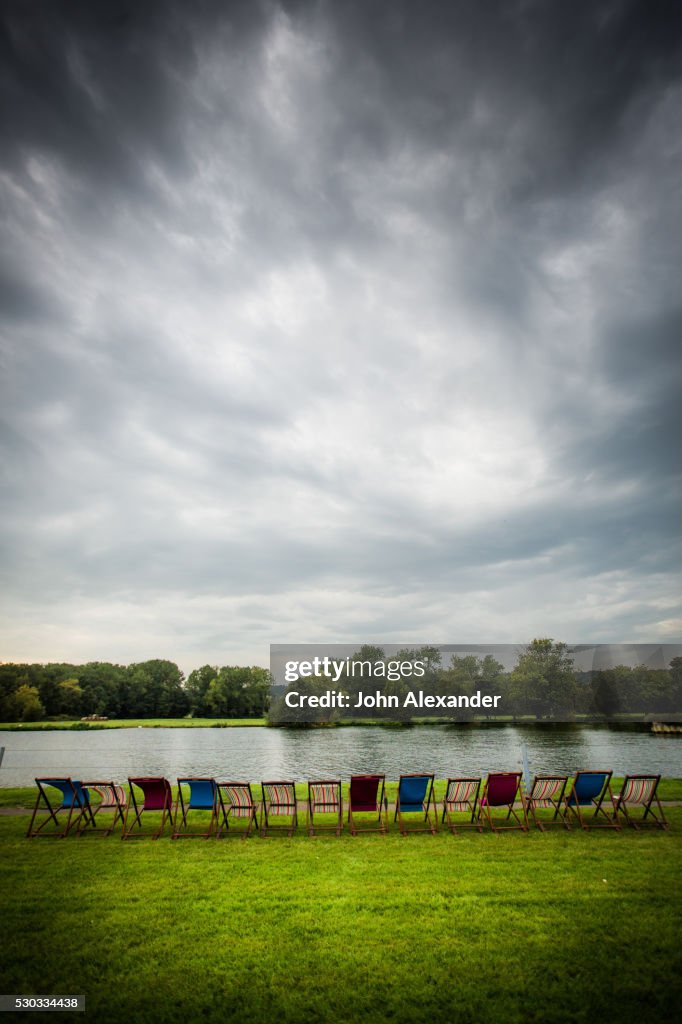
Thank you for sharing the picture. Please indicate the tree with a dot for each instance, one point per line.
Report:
(27, 705)
(70, 697)
(543, 681)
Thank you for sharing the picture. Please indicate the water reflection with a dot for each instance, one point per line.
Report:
(257, 753)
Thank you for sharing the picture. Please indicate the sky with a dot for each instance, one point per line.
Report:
(337, 322)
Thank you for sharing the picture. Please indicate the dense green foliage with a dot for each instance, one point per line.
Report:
(150, 689)
(548, 928)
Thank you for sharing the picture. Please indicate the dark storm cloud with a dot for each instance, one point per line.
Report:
(323, 319)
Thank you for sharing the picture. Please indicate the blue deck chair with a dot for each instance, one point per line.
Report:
(415, 796)
(73, 807)
(592, 790)
(203, 798)
(236, 801)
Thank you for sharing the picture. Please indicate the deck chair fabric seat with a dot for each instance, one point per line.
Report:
(415, 796)
(461, 796)
(74, 806)
(111, 798)
(202, 798)
(236, 801)
(157, 798)
(592, 790)
(367, 795)
(547, 793)
(278, 801)
(324, 798)
(503, 790)
(640, 791)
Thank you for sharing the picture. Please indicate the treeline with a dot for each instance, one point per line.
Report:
(148, 689)
(543, 683)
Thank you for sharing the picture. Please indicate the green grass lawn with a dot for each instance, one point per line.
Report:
(474, 928)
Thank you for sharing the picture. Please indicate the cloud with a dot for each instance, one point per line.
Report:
(338, 321)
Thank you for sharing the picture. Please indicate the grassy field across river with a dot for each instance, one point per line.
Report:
(481, 928)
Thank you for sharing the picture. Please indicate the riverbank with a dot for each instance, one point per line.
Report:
(378, 928)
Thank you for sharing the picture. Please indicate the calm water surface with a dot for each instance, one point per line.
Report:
(258, 753)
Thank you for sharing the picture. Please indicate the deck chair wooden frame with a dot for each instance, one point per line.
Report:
(599, 797)
(157, 798)
(74, 801)
(547, 792)
(404, 804)
(201, 788)
(112, 799)
(324, 797)
(378, 806)
(235, 800)
(511, 782)
(461, 795)
(641, 791)
(278, 801)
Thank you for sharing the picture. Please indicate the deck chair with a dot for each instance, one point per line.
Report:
(503, 789)
(592, 789)
(461, 795)
(279, 801)
(109, 799)
(547, 792)
(367, 795)
(236, 801)
(157, 798)
(203, 798)
(415, 796)
(65, 815)
(641, 791)
(324, 798)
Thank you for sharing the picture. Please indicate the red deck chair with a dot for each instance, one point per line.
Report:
(461, 796)
(641, 791)
(368, 796)
(157, 798)
(110, 799)
(73, 807)
(279, 801)
(236, 801)
(503, 789)
(547, 792)
(592, 790)
(324, 798)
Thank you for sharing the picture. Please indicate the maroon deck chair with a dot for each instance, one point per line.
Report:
(640, 791)
(157, 798)
(503, 789)
(368, 796)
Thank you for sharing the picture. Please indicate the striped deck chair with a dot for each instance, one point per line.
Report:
(236, 801)
(279, 801)
(109, 799)
(547, 792)
(415, 796)
(503, 789)
(157, 798)
(73, 807)
(461, 795)
(202, 798)
(367, 795)
(324, 798)
(640, 791)
(592, 789)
